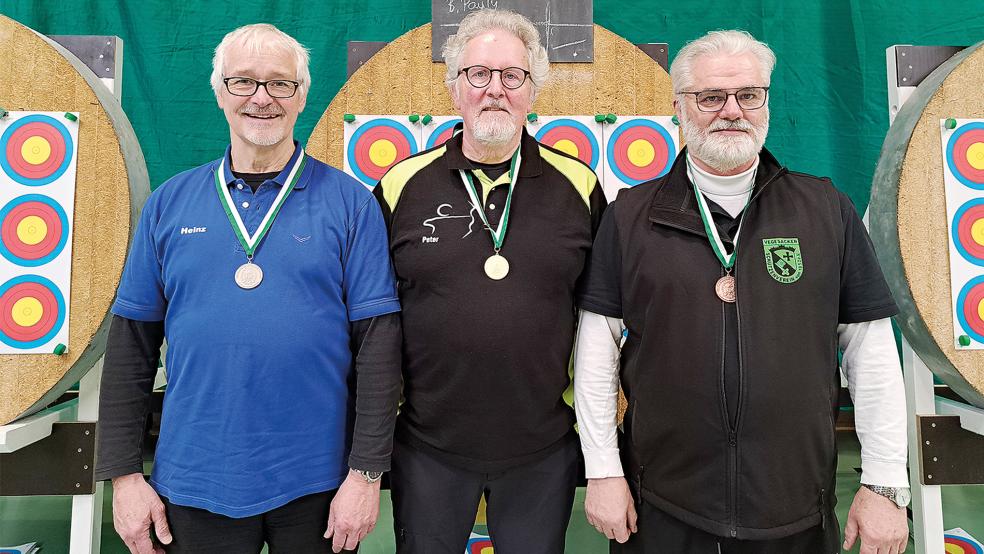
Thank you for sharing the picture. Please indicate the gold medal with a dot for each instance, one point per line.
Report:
(496, 267)
(725, 289)
(249, 276)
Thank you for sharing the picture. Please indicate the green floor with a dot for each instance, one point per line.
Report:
(46, 519)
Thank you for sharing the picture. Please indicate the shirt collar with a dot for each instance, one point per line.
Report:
(280, 179)
(530, 166)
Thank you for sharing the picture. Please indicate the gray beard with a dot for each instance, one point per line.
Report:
(494, 131)
(721, 153)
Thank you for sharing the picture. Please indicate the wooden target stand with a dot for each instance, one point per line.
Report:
(945, 432)
(52, 452)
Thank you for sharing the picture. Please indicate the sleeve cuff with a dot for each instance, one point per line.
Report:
(886, 474)
(367, 464)
(602, 463)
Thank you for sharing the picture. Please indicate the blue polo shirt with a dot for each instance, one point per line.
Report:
(257, 410)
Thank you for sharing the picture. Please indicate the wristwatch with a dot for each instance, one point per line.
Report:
(899, 495)
(370, 476)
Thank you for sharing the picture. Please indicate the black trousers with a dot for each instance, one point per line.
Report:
(527, 507)
(295, 528)
(660, 533)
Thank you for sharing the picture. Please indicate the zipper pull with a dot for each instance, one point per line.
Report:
(642, 470)
(732, 439)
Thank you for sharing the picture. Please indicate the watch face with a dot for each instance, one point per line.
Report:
(902, 497)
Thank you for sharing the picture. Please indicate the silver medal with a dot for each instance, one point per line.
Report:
(496, 267)
(249, 276)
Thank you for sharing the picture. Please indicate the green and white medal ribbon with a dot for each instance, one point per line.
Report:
(249, 275)
(496, 266)
(725, 286)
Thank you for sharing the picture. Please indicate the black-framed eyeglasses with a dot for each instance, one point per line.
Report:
(276, 88)
(748, 98)
(480, 76)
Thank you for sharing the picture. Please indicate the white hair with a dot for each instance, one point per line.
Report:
(258, 38)
(733, 42)
(481, 21)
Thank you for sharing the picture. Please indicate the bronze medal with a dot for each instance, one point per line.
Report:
(725, 289)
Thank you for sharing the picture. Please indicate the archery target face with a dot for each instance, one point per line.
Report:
(959, 544)
(38, 157)
(578, 136)
(478, 544)
(36, 150)
(965, 154)
(373, 144)
(439, 130)
(963, 184)
(638, 149)
(33, 230)
(32, 311)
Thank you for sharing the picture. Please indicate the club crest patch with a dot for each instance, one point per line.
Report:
(783, 259)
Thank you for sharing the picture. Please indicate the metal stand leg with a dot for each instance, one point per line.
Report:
(86, 534)
(927, 502)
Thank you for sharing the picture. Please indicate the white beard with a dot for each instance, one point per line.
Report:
(494, 129)
(724, 153)
(263, 136)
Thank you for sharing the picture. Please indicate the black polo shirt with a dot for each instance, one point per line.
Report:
(486, 363)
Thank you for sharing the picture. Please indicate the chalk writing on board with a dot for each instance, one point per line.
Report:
(565, 25)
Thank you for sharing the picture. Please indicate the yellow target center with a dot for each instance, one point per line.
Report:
(382, 153)
(36, 150)
(566, 146)
(26, 312)
(32, 230)
(977, 231)
(975, 155)
(953, 549)
(487, 550)
(641, 153)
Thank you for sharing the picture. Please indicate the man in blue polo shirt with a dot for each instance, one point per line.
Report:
(269, 274)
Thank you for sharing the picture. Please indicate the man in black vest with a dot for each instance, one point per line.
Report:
(730, 356)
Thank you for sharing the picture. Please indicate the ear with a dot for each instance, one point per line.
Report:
(453, 91)
(302, 101)
(676, 108)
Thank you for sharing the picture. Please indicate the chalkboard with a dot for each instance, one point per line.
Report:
(565, 26)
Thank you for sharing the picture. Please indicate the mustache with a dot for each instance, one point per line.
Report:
(493, 104)
(258, 110)
(727, 125)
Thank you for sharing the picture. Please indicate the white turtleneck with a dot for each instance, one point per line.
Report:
(731, 192)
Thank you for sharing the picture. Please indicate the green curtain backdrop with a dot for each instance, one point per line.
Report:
(828, 98)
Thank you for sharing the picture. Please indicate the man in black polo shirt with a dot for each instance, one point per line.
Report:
(736, 281)
(489, 235)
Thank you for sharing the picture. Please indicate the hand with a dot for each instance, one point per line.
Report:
(353, 512)
(881, 524)
(610, 509)
(136, 509)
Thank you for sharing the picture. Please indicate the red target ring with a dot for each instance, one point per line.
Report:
(628, 166)
(965, 227)
(37, 296)
(377, 146)
(973, 135)
(16, 244)
(50, 164)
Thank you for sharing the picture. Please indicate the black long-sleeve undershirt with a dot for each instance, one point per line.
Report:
(132, 351)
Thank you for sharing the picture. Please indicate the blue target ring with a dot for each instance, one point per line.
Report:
(363, 138)
(972, 293)
(441, 133)
(956, 152)
(575, 132)
(50, 320)
(630, 131)
(42, 126)
(40, 252)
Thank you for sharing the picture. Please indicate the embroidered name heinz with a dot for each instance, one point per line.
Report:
(193, 230)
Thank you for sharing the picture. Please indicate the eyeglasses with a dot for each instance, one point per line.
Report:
(244, 86)
(480, 76)
(748, 98)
